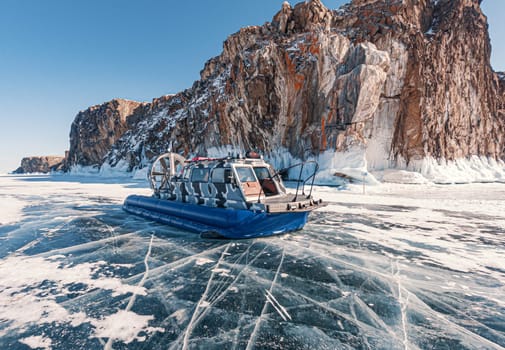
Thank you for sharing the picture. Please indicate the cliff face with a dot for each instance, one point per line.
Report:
(95, 130)
(441, 97)
(291, 84)
(399, 80)
(448, 103)
(43, 164)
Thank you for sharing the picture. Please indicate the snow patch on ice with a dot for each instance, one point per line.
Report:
(37, 342)
(204, 303)
(203, 261)
(124, 326)
(11, 209)
(179, 315)
(52, 278)
(221, 271)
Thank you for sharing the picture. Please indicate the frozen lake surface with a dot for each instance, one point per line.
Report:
(402, 267)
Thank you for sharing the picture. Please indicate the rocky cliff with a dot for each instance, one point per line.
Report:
(95, 130)
(43, 164)
(396, 81)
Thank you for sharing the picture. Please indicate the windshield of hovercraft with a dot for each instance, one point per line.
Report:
(266, 181)
(245, 174)
(248, 181)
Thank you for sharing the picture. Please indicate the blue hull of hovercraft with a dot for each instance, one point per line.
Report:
(227, 223)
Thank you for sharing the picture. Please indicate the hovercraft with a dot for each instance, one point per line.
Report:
(232, 197)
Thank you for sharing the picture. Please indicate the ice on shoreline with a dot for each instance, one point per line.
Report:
(336, 168)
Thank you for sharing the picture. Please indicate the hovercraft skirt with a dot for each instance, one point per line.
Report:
(228, 223)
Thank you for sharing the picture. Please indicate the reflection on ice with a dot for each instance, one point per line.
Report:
(369, 272)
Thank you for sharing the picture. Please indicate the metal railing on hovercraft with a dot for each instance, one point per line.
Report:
(299, 180)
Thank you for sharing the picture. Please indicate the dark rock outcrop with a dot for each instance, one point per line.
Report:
(44, 164)
(400, 80)
(96, 129)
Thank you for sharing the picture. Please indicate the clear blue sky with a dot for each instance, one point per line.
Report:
(60, 56)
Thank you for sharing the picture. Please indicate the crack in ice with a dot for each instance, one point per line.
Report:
(254, 333)
(133, 297)
(281, 310)
(201, 302)
(403, 305)
(220, 293)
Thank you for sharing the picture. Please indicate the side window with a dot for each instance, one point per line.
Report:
(245, 174)
(222, 176)
(200, 175)
(218, 175)
(262, 173)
